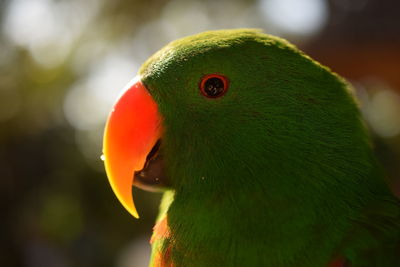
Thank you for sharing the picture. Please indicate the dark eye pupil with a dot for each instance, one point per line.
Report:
(214, 87)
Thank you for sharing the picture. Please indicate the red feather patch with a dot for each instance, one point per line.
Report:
(161, 231)
(338, 262)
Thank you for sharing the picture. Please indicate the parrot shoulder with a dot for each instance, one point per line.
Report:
(375, 235)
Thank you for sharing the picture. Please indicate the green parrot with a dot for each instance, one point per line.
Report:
(262, 153)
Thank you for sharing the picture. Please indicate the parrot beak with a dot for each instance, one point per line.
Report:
(131, 143)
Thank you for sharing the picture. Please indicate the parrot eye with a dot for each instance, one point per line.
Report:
(213, 85)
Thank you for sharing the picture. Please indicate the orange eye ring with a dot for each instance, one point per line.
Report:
(213, 85)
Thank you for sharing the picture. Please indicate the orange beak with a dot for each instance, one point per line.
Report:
(132, 129)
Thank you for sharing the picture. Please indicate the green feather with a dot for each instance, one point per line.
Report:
(277, 172)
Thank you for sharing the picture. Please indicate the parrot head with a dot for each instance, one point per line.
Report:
(224, 114)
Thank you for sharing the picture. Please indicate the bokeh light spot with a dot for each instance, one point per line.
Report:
(88, 102)
(385, 113)
(303, 17)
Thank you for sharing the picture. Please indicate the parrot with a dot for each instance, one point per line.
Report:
(261, 153)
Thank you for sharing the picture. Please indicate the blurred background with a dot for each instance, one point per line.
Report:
(62, 63)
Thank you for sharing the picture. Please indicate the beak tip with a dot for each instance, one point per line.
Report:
(127, 202)
(129, 206)
(132, 209)
(133, 212)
